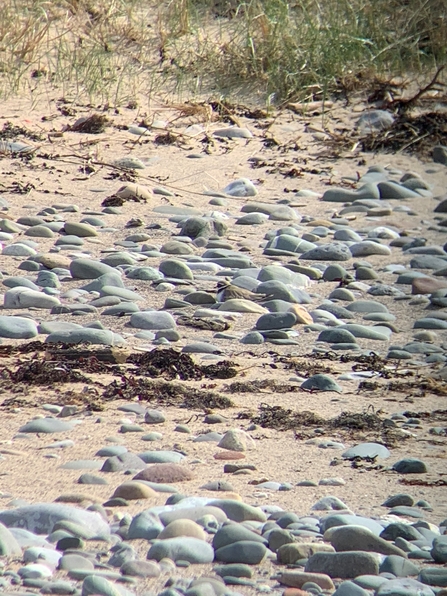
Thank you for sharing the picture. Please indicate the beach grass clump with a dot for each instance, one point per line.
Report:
(110, 51)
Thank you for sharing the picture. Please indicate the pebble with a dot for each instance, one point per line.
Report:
(308, 258)
(152, 320)
(328, 252)
(89, 269)
(366, 451)
(17, 328)
(234, 440)
(47, 425)
(161, 457)
(347, 538)
(410, 466)
(321, 382)
(403, 587)
(165, 473)
(298, 579)
(41, 517)
(20, 297)
(243, 551)
(182, 548)
(345, 565)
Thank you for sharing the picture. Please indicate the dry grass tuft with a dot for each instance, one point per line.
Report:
(270, 50)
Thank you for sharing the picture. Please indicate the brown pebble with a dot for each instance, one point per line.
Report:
(295, 579)
(229, 455)
(427, 285)
(168, 473)
(295, 592)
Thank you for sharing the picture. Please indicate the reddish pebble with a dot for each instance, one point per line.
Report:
(229, 455)
(427, 285)
(295, 592)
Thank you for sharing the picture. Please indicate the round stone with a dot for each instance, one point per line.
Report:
(321, 382)
(81, 230)
(152, 320)
(410, 465)
(17, 327)
(175, 269)
(244, 551)
(182, 548)
(89, 269)
(165, 473)
(328, 252)
(366, 450)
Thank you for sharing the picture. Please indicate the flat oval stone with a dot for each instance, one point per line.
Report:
(336, 335)
(19, 297)
(91, 336)
(433, 576)
(367, 248)
(81, 230)
(403, 587)
(17, 327)
(40, 231)
(321, 382)
(393, 190)
(152, 320)
(347, 538)
(345, 565)
(366, 306)
(328, 252)
(161, 457)
(347, 519)
(41, 517)
(233, 132)
(363, 331)
(238, 511)
(410, 465)
(175, 269)
(245, 551)
(18, 249)
(188, 549)
(275, 321)
(47, 425)
(15, 281)
(89, 269)
(367, 450)
(99, 586)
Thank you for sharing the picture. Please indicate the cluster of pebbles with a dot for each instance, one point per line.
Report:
(371, 270)
(208, 545)
(371, 274)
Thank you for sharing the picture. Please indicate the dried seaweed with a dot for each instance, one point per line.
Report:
(357, 421)
(166, 138)
(413, 134)
(423, 482)
(198, 323)
(304, 365)
(39, 372)
(94, 124)
(434, 415)
(113, 201)
(261, 385)
(172, 364)
(421, 386)
(279, 418)
(10, 131)
(169, 394)
(118, 200)
(31, 346)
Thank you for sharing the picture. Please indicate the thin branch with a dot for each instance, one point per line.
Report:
(403, 105)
